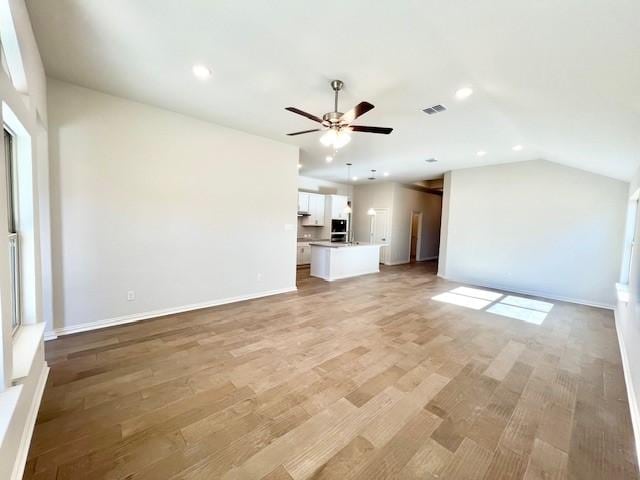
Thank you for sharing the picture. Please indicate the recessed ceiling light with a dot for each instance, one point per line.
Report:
(517, 148)
(386, 174)
(481, 153)
(355, 179)
(299, 166)
(202, 72)
(463, 93)
(329, 158)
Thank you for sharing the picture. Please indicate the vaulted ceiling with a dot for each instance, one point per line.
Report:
(561, 78)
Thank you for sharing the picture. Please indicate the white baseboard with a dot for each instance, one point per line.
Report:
(136, 317)
(25, 440)
(408, 260)
(532, 293)
(344, 277)
(50, 335)
(631, 396)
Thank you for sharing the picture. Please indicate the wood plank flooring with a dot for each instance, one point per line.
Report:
(367, 378)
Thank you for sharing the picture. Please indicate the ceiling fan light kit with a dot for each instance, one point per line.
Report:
(337, 125)
(336, 139)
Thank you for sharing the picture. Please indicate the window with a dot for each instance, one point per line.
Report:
(14, 239)
(629, 238)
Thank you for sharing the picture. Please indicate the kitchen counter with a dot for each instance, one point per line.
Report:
(333, 261)
(310, 240)
(329, 244)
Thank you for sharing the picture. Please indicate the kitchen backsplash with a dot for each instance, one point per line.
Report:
(314, 233)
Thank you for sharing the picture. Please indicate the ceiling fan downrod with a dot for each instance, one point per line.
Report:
(337, 86)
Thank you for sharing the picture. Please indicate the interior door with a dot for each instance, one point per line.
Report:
(381, 232)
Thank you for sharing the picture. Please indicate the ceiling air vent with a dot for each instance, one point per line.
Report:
(434, 109)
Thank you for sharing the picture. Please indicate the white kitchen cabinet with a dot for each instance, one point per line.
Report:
(303, 201)
(303, 254)
(317, 205)
(316, 211)
(338, 204)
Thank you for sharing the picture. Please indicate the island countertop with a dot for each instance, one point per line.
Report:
(342, 245)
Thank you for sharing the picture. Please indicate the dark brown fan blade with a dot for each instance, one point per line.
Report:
(362, 128)
(304, 114)
(304, 131)
(355, 112)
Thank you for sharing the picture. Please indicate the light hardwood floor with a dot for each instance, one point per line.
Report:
(366, 378)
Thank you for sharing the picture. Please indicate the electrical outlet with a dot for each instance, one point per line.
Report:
(131, 296)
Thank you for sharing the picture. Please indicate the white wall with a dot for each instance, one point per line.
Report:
(628, 325)
(183, 212)
(310, 184)
(405, 201)
(372, 195)
(401, 201)
(444, 223)
(536, 227)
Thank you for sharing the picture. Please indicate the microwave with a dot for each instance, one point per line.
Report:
(338, 230)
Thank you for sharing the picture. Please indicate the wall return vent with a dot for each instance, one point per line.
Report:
(434, 109)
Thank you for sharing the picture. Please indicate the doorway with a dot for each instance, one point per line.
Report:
(379, 232)
(415, 237)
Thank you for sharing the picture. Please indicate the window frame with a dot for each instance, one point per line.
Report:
(630, 237)
(11, 178)
(9, 139)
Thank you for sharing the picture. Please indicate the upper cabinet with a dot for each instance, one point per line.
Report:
(315, 209)
(303, 201)
(314, 204)
(338, 204)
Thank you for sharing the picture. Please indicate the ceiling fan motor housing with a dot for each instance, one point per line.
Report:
(332, 117)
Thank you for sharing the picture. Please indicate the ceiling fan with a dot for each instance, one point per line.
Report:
(337, 124)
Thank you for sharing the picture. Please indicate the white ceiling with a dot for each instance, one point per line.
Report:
(561, 78)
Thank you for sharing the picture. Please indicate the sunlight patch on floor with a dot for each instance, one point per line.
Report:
(512, 306)
(527, 303)
(462, 300)
(518, 313)
(477, 293)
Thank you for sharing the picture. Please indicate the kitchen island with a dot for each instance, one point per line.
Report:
(333, 261)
